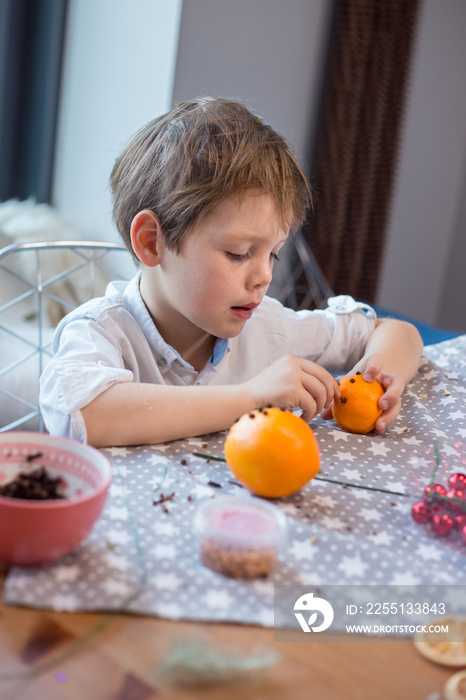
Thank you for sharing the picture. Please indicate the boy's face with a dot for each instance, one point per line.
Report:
(223, 269)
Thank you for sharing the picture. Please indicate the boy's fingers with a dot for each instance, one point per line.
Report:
(394, 387)
(327, 413)
(387, 417)
(373, 367)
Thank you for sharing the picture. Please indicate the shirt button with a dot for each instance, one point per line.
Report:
(161, 362)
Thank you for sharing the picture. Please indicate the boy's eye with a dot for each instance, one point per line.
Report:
(241, 258)
(237, 257)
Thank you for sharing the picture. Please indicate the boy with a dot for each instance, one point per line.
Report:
(204, 197)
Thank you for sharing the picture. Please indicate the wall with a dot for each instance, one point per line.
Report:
(423, 273)
(267, 53)
(118, 74)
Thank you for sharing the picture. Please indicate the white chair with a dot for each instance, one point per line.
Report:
(39, 283)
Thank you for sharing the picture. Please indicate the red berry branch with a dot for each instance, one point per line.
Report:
(444, 508)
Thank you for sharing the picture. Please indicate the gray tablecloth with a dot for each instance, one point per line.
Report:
(144, 558)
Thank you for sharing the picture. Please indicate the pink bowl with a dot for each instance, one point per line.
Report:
(37, 532)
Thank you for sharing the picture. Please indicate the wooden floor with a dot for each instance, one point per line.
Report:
(45, 656)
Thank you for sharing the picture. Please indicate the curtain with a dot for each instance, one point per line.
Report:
(354, 161)
(31, 47)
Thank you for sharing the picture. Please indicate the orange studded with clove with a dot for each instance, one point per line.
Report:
(272, 452)
(357, 410)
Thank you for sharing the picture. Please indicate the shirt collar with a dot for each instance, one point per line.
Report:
(135, 304)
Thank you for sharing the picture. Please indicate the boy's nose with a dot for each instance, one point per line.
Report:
(261, 275)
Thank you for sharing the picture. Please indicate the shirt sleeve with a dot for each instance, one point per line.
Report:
(349, 325)
(88, 360)
(334, 337)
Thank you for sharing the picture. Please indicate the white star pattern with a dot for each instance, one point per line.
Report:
(447, 400)
(155, 459)
(168, 581)
(332, 523)
(117, 490)
(396, 486)
(350, 474)
(419, 462)
(214, 598)
(113, 587)
(439, 433)
(428, 551)
(118, 537)
(162, 481)
(457, 415)
(201, 491)
(66, 574)
(339, 435)
(345, 456)
(303, 549)
(288, 508)
(161, 447)
(117, 561)
(164, 551)
(263, 588)
(382, 539)
(309, 578)
(118, 451)
(65, 602)
(117, 512)
(324, 501)
(384, 468)
(370, 514)
(353, 566)
(361, 494)
(379, 448)
(448, 450)
(398, 428)
(164, 528)
(404, 578)
(172, 610)
(413, 440)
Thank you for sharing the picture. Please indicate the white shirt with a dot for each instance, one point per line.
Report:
(114, 339)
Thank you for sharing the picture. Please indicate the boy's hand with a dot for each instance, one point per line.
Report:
(294, 382)
(371, 368)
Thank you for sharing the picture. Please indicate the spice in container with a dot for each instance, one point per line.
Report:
(239, 537)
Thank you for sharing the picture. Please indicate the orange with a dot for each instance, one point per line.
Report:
(272, 452)
(357, 410)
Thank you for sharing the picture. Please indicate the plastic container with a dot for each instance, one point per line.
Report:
(239, 537)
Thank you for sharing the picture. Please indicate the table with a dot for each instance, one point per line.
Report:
(352, 525)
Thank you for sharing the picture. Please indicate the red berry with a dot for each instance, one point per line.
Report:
(420, 513)
(456, 496)
(441, 524)
(460, 521)
(457, 480)
(432, 490)
(463, 534)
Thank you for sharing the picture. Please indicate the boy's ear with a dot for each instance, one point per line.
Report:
(147, 237)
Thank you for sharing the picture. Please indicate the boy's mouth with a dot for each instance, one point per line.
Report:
(245, 311)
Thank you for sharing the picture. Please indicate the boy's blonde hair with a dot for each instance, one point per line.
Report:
(185, 163)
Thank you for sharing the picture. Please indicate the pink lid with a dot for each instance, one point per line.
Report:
(243, 520)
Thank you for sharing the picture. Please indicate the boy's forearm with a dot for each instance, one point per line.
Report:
(138, 414)
(400, 344)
